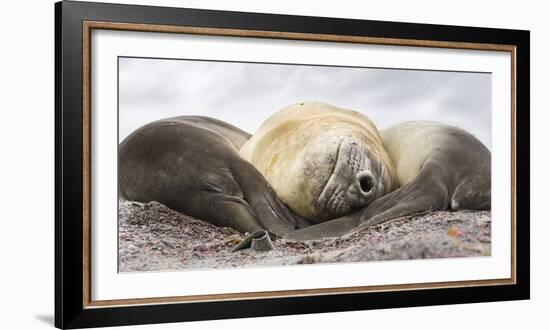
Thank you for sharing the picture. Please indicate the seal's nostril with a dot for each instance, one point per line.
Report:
(366, 182)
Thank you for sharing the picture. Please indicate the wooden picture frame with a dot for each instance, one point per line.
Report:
(74, 306)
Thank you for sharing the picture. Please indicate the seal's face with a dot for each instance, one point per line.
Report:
(346, 176)
(351, 184)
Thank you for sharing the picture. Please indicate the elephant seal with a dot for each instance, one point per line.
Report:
(322, 161)
(439, 167)
(192, 165)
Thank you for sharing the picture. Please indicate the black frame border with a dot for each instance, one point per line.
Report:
(69, 308)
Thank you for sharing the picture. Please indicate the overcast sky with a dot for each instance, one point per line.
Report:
(245, 94)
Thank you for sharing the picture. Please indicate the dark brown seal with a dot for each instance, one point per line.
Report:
(192, 165)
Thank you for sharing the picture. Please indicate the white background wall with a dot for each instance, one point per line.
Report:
(26, 164)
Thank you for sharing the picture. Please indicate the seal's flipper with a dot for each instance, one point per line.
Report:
(225, 211)
(427, 192)
(329, 229)
(273, 215)
(473, 194)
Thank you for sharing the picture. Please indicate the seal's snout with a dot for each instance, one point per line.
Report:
(362, 189)
(352, 184)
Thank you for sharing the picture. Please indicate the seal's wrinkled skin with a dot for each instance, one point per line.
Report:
(322, 161)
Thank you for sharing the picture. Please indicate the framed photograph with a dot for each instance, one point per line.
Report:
(214, 164)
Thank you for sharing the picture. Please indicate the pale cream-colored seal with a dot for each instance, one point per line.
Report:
(321, 160)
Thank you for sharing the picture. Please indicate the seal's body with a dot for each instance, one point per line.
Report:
(192, 165)
(322, 161)
(439, 167)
